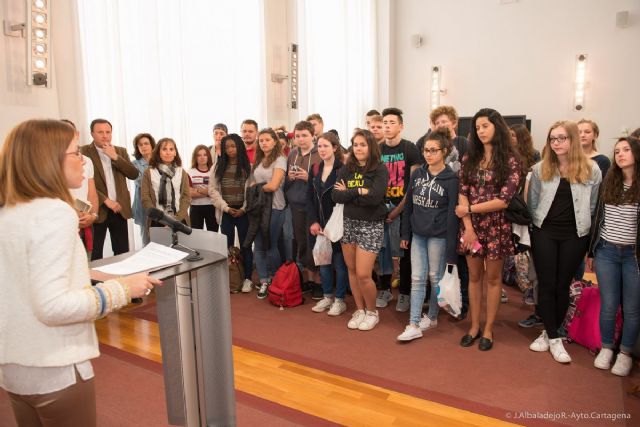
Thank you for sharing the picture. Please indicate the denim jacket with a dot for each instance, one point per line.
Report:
(541, 195)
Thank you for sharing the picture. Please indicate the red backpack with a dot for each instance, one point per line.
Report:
(285, 289)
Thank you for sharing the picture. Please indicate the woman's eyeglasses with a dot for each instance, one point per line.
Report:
(560, 139)
(432, 151)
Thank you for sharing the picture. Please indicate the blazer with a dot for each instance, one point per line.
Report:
(122, 169)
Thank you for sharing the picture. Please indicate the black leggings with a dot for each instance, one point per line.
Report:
(556, 261)
(199, 214)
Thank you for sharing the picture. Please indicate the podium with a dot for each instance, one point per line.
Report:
(194, 316)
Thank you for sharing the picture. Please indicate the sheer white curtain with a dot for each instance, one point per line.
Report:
(338, 62)
(173, 68)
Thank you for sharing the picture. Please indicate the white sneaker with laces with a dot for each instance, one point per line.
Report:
(541, 343)
(403, 303)
(246, 286)
(383, 298)
(370, 320)
(558, 352)
(264, 290)
(322, 305)
(603, 361)
(337, 308)
(426, 323)
(411, 332)
(356, 318)
(623, 365)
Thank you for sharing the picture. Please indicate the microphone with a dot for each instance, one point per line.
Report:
(166, 219)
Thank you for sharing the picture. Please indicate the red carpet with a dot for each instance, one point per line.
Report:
(130, 393)
(501, 383)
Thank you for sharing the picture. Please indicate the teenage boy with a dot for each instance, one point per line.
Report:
(374, 124)
(318, 125)
(401, 158)
(299, 163)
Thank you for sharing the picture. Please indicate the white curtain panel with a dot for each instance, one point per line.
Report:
(173, 68)
(338, 62)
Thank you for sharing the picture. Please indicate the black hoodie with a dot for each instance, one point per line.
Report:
(430, 208)
(369, 207)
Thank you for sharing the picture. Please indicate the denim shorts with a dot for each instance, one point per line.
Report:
(367, 235)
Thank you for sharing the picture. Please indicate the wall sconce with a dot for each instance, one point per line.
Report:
(293, 95)
(38, 44)
(580, 82)
(436, 90)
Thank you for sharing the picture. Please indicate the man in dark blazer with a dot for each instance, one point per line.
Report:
(112, 167)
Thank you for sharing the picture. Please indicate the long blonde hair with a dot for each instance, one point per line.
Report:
(579, 165)
(32, 162)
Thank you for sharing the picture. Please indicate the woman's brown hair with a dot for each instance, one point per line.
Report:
(155, 159)
(194, 156)
(335, 143)
(612, 190)
(275, 153)
(374, 152)
(32, 162)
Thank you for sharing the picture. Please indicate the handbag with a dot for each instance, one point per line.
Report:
(517, 211)
(334, 229)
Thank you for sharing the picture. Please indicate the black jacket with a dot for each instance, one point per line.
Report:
(596, 225)
(259, 211)
(319, 202)
(369, 207)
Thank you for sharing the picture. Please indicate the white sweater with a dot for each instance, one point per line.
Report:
(45, 306)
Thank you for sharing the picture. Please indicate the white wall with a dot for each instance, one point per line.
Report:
(519, 58)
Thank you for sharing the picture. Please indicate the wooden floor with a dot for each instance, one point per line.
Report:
(322, 394)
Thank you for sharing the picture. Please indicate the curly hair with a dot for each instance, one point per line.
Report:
(500, 154)
(612, 185)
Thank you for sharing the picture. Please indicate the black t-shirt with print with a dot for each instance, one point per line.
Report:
(398, 161)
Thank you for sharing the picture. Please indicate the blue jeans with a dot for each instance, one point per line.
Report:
(619, 282)
(228, 228)
(268, 259)
(390, 244)
(287, 234)
(428, 257)
(342, 277)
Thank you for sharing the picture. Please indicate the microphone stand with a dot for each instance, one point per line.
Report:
(194, 254)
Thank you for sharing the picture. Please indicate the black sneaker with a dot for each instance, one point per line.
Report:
(530, 321)
(307, 287)
(317, 293)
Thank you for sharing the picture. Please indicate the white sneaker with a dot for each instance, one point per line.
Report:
(603, 361)
(411, 332)
(337, 308)
(541, 343)
(558, 352)
(426, 323)
(403, 304)
(246, 286)
(383, 298)
(623, 365)
(356, 318)
(322, 305)
(370, 321)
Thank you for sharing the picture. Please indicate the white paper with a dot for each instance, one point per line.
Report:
(151, 257)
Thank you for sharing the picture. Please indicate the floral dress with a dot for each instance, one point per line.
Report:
(492, 229)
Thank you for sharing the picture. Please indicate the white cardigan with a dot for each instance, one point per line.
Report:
(46, 310)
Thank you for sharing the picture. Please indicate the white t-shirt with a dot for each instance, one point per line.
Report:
(82, 193)
(200, 179)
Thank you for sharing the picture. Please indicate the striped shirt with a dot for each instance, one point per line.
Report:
(620, 223)
(232, 189)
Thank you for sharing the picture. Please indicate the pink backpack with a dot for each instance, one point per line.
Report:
(585, 325)
(285, 289)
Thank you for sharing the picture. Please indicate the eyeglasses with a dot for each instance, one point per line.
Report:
(76, 153)
(432, 151)
(560, 139)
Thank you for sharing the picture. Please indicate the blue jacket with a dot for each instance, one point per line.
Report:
(430, 207)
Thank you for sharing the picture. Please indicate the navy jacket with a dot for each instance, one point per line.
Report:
(430, 207)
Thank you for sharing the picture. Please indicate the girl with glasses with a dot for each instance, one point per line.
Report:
(489, 178)
(429, 219)
(562, 198)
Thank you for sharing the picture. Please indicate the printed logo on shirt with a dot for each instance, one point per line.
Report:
(422, 197)
(395, 164)
(356, 182)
